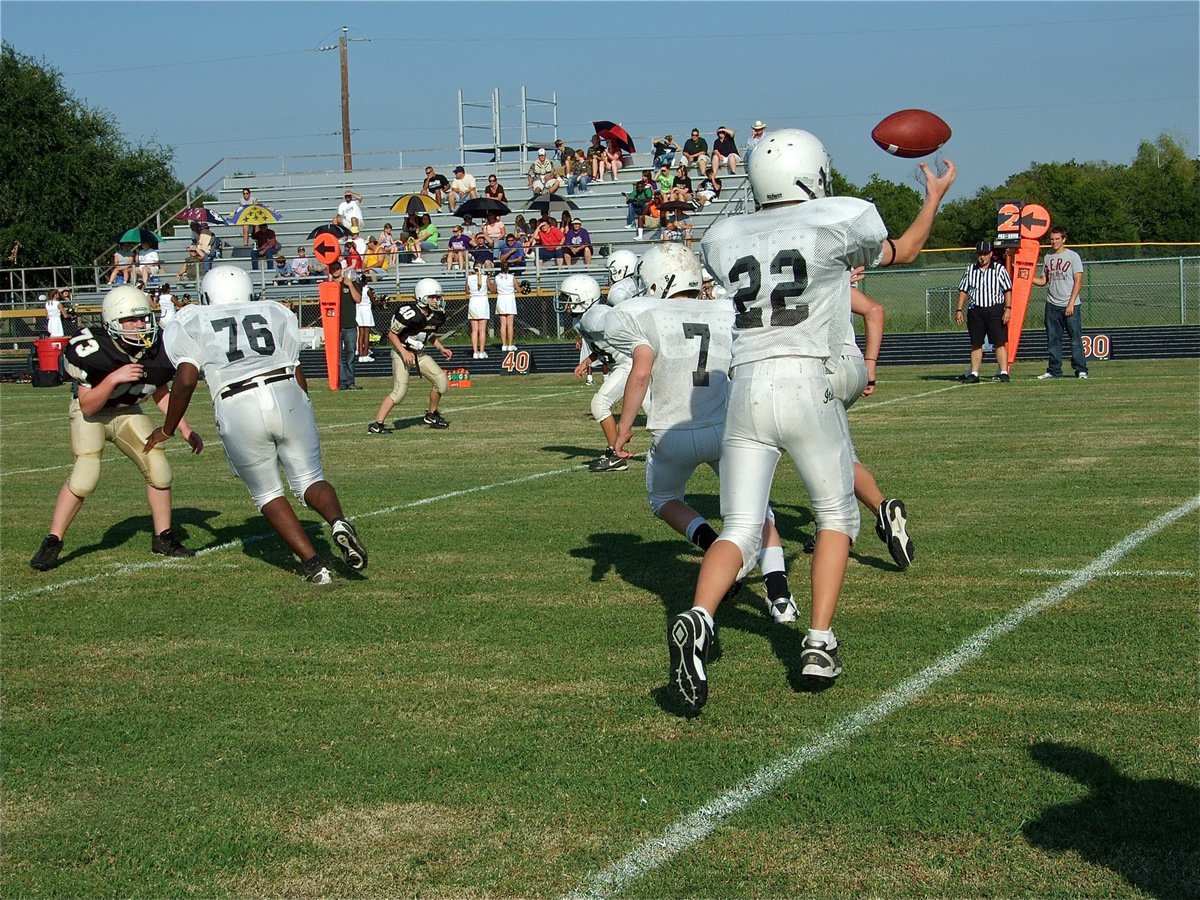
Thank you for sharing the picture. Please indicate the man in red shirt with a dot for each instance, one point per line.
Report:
(549, 239)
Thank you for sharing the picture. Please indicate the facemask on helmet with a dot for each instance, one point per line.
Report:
(577, 294)
(669, 269)
(789, 165)
(429, 294)
(622, 264)
(127, 302)
(224, 285)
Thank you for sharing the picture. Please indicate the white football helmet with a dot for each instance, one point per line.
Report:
(127, 302)
(577, 294)
(429, 294)
(670, 269)
(224, 285)
(622, 264)
(789, 165)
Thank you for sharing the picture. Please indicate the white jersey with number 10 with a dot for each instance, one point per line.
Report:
(786, 272)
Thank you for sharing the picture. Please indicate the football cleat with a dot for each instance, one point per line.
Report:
(819, 661)
(609, 462)
(167, 543)
(688, 640)
(377, 428)
(46, 557)
(783, 610)
(347, 540)
(891, 524)
(316, 572)
(434, 420)
(1001, 377)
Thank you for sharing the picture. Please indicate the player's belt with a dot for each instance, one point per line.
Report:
(257, 381)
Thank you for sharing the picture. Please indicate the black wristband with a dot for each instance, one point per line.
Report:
(871, 383)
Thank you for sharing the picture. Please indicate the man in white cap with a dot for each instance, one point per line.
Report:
(757, 130)
(541, 175)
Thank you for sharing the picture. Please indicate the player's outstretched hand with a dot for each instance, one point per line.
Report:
(937, 184)
(195, 442)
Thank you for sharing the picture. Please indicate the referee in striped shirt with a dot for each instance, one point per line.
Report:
(989, 289)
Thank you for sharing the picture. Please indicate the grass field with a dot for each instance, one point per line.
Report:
(480, 714)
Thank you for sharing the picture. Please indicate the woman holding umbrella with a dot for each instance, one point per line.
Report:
(613, 159)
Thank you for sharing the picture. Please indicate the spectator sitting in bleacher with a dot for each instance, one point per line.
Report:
(481, 253)
(147, 263)
(580, 174)
(470, 229)
(266, 245)
(725, 150)
(564, 221)
(493, 231)
(637, 198)
(456, 257)
(709, 190)
(435, 186)
(198, 251)
(352, 260)
(462, 187)
(541, 177)
(513, 253)
(122, 270)
(521, 228)
(549, 239)
(301, 270)
(428, 236)
(664, 181)
(495, 190)
(665, 149)
(375, 261)
(676, 227)
(757, 132)
(595, 155)
(562, 158)
(695, 152)
(612, 161)
(349, 212)
(578, 244)
(388, 245)
(681, 186)
(653, 216)
(283, 270)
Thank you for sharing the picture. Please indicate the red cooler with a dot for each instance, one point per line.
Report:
(48, 352)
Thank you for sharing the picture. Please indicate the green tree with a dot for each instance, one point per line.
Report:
(1162, 190)
(70, 183)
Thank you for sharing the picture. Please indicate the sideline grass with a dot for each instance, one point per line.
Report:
(478, 715)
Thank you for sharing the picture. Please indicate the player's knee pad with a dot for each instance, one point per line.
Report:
(747, 537)
(85, 476)
(440, 382)
(157, 471)
(600, 408)
(398, 395)
(838, 515)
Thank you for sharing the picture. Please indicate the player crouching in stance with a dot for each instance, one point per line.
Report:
(580, 296)
(114, 370)
(413, 326)
(680, 345)
(249, 353)
(785, 267)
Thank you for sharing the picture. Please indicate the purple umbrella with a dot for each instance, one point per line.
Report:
(200, 214)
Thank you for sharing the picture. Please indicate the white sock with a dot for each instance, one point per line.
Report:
(690, 534)
(824, 637)
(707, 618)
(770, 559)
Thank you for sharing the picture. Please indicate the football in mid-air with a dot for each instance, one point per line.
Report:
(911, 133)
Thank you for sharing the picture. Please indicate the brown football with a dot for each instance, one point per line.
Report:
(911, 133)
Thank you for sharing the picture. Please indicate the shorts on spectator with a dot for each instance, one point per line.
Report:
(547, 253)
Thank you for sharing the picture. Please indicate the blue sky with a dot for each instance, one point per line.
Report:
(1018, 82)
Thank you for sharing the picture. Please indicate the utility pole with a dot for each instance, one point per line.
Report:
(347, 157)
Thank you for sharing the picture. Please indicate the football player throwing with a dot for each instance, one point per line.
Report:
(249, 354)
(785, 267)
(113, 371)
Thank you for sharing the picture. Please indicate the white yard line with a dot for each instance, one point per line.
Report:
(122, 570)
(1117, 573)
(697, 826)
(450, 408)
